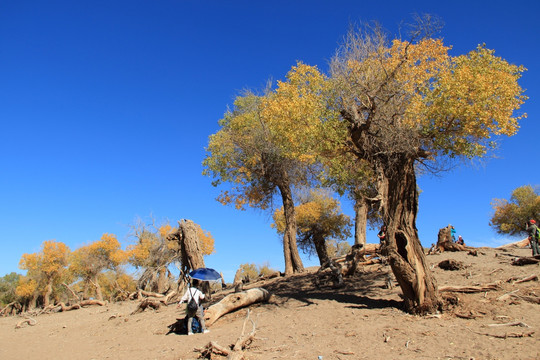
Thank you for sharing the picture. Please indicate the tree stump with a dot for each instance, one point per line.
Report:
(451, 264)
(445, 242)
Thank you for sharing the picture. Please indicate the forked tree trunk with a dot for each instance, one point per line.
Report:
(360, 221)
(404, 250)
(293, 262)
(95, 282)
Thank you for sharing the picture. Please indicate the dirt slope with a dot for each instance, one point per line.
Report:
(304, 320)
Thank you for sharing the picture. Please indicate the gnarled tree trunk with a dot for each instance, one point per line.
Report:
(293, 262)
(397, 184)
(320, 247)
(188, 239)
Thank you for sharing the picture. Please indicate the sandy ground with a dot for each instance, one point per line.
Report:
(363, 320)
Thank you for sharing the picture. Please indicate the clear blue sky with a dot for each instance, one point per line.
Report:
(106, 108)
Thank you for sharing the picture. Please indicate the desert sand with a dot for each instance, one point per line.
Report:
(303, 320)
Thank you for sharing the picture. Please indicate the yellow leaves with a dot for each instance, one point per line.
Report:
(55, 257)
(27, 287)
(294, 112)
(49, 263)
(206, 241)
(90, 260)
(165, 230)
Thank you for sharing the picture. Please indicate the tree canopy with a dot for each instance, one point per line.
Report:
(511, 215)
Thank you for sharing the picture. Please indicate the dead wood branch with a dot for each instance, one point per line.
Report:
(147, 303)
(235, 301)
(236, 351)
(528, 298)
(28, 321)
(470, 315)
(72, 292)
(63, 307)
(506, 296)
(515, 323)
(528, 278)
(470, 289)
(93, 302)
(526, 260)
(507, 335)
(11, 308)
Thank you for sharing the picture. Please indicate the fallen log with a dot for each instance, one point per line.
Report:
(235, 301)
(469, 289)
(526, 260)
(147, 303)
(367, 249)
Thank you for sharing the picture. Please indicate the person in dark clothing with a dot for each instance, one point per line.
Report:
(382, 235)
(532, 229)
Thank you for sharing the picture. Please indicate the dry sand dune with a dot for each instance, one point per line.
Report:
(363, 320)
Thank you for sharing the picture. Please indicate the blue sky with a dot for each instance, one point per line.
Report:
(106, 108)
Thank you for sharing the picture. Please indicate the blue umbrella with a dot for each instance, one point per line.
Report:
(205, 274)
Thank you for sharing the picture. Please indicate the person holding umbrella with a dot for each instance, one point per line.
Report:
(193, 297)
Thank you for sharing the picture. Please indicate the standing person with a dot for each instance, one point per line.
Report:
(193, 293)
(382, 235)
(453, 233)
(532, 229)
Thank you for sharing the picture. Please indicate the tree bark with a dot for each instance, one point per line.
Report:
(397, 183)
(95, 282)
(361, 208)
(48, 292)
(320, 247)
(188, 239)
(293, 262)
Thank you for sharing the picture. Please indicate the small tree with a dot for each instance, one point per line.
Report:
(8, 285)
(511, 215)
(47, 268)
(89, 261)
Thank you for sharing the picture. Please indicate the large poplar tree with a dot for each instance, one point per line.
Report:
(407, 104)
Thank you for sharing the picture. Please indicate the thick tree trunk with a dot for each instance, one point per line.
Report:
(188, 239)
(293, 262)
(47, 295)
(322, 251)
(162, 284)
(95, 282)
(360, 220)
(404, 250)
